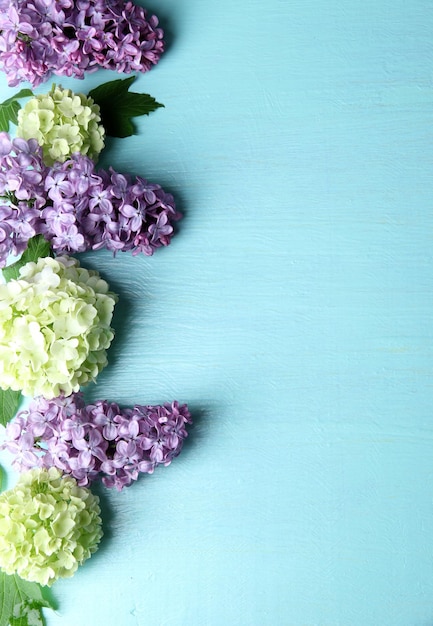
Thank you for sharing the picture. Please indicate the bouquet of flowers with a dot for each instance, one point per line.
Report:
(56, 316)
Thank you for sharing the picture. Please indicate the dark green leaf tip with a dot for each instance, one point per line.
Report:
(118, 106)
(10, 107)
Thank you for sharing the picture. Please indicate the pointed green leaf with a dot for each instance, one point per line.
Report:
(4, 123)
(14, 107)
(10, 107)
(12, 271)
(118, 106)
(9, 404)
(37, 247)
(23, 93)
(21, 602)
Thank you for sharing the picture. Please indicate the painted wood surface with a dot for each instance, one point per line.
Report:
(293, 312)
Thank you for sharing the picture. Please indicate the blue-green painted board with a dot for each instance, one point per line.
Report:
(293, 311)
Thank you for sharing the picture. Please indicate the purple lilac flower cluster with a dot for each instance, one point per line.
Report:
(44, 37)
(97, 440)
(104, 209)
(22, 193)
(76, 207)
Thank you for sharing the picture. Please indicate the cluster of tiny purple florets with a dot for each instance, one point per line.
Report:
(68, 38)
(22, 193)
(97, 440)
(76, 207)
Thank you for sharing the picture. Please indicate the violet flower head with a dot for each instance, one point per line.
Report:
(98, 440)
(22, 194)
(39, 38)
(77, 207)
(108, 209)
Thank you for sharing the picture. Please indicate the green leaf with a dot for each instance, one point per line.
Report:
(21, 602)
(9, 404)
(118, 106)
(12, 271)
(37, 247)
(10, 107)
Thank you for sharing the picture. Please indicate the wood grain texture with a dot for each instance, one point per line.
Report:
(293, 311)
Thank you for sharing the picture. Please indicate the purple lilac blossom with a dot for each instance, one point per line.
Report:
(93, 209)
(76, 207)
(98, 440)
(22, 194)
(39, 38)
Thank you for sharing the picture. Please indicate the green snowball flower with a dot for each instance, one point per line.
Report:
(54, 327)
(62, 122)
(48, 526)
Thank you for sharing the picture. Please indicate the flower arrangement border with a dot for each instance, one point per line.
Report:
(54, 203)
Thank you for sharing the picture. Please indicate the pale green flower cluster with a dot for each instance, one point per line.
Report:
(54, 327)
(48, 526)
(62, 122)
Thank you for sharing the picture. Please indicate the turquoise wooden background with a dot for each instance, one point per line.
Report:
(293, 312)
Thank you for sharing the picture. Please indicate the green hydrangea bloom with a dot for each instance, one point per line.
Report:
(48, 526)
(54, 327)
(62, 122)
